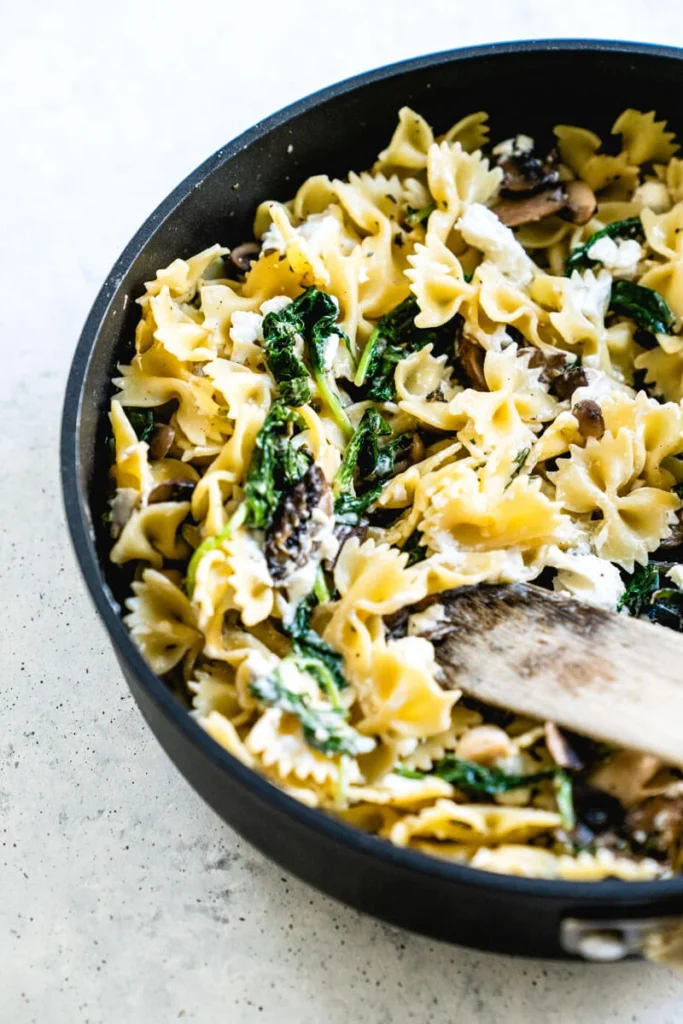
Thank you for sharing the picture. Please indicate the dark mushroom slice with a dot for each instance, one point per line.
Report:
(470, 357)
(559, 748)
(656, 824)
(590, 419)
(552, 364)
(530, 208)
(171, 490)
(524, 173)
(565, 384)
(122, 506)
(242, 256)
(581, 202)
(161, 440)
(291, 538)
(675, 536)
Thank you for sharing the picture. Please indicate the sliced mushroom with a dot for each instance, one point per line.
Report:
(291, 539)
(657, 823)
(342, 532)
(242, 256)
(675, 535)
(171, 490)
(162, 438)
(471, 357)
(581, 202)
(525, 173)
(589, 416)
(122, 505)
(565, 384)
(552, 364)
(559, 748)
(529, 208)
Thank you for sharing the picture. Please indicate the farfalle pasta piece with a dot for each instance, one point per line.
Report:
(400, 696)
(180, 329)
(472, 131)
(600, 478)
(437, 280)
(131, 466)
(470, 512)
(182, 277)
(225, 734)
(151, 534)
(400, 792)
(664, 367)
(162, 622)
(456, 179)
(409, 144)
(373, 581)
(644, 139)
(277, 740)
(478, 824)
(664, 231)
(213, 689)
(424, 388)
(429, 751)
(533, 862)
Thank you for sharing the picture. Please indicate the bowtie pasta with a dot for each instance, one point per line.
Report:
(463, 366)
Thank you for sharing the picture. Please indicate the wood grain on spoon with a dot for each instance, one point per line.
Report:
(542, 654)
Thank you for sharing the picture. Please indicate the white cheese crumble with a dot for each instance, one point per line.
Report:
(518, 145)
(587, 577)
(245, 327)
(675, 574)
(276, 304)
(590, 294)
(620, 256)
(422, 622)
(272, 240)
(480, 228)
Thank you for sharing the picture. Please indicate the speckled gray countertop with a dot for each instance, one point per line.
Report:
(122, 897)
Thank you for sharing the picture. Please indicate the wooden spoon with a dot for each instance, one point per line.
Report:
(542, 654)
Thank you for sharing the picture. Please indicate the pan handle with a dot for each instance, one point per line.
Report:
(659, 939)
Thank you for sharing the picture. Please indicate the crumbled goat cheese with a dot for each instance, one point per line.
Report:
(518, 145)
(587, 577)
(480, 228)
(272, 240)
(620, 256)
(422, 622)
(590, 294)
(276, 304)
(675, 574)
(245, 327)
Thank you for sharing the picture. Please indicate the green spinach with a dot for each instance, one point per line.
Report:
(579, 258)
(415, 215)
(276, 465)
(647, 596)
(311, 316)
(373, 462)
(142, 422)
(394, 337)
(324, 729)
(644, 306)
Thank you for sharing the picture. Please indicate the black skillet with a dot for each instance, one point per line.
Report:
(526, 87)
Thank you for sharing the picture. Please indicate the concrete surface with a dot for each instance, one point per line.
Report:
(123, 899)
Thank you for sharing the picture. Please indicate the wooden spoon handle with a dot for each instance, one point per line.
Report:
(542, 654)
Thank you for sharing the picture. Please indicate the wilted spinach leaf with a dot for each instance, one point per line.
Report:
(415, 216)
(142, 422)
(644, 306)
(311, 316)
(579, 259)
(325, 729)
(475, 778)
(647, 594)
(276, 465)
(372, 461)
(394, 337)
(417, 552)
(323, 663)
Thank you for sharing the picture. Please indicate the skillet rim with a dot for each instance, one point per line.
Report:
(597, 896)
